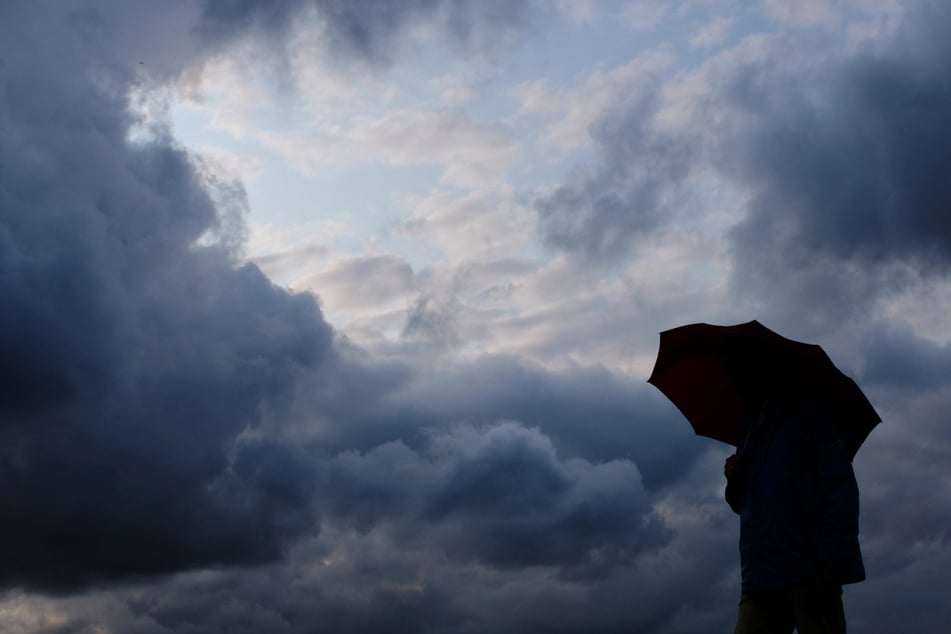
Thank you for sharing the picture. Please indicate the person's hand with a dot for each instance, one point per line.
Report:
(732, 466)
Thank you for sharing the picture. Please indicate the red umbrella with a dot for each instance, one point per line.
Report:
(697, 364)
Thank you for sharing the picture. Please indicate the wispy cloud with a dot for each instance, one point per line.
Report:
(806, 13)
(643, 15)
(470, 155)
(576, 108)
(712, 33)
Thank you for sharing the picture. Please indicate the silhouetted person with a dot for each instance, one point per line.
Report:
(791, 482)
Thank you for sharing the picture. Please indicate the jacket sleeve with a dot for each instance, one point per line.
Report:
(838, 554)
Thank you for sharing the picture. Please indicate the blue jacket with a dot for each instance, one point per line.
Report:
(796, 496)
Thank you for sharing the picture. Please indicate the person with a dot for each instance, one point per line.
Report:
(791, 482)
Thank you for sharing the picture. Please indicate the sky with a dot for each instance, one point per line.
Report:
(337, 316)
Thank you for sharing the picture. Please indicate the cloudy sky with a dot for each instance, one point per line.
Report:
(336, 316)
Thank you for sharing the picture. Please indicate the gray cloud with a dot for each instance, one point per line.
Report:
(395, 576)
(134, 359)
(590, 414)
(367, 29)
(166, 410)
(845, 175)
(433, 320)
(635, 186)
(895, 357)
(840, 163)
(849, 162)
(840, 158)
(148, 377)
(499, 495)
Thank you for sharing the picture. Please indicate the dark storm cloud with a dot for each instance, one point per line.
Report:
(589, 414)
(841, 159)
(394, 576)
(137, 363)
(432, 524)
(421, 454)
(499, 495)
(508, 500)
(851, 163)
(846, 172)
(133, 358)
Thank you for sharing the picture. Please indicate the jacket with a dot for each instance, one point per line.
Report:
(796, 496)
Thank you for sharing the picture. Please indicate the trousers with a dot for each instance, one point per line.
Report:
(806, 610)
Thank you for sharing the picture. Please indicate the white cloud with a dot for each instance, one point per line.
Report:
(289, 254)
(330, 91)
(802, 12)
(643, 15)
(578, 11)
(563, 314)
(359, 283)
(712, 33)
(879, 20)
(709, 5)
(453, 90)
(478, 225)
(24, 613)
(557, 313)
(878, 7)
(924, 305)
(230, 90)
(471, 155)
(686, 97)
(576, 108)
(306, 152)
(231, 164)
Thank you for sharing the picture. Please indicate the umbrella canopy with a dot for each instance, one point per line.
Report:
(698, 364)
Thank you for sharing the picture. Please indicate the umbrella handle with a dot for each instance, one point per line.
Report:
(759, 420)
(746, 441)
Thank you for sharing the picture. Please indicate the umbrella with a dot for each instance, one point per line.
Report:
(697, 366)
